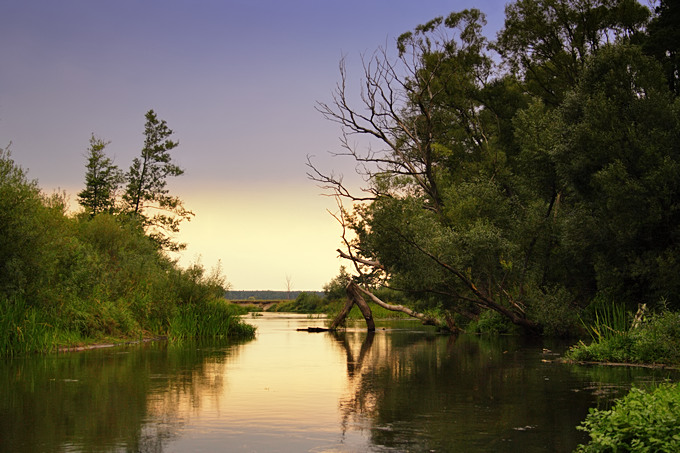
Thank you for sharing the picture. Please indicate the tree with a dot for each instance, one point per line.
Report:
(146, 195)
(663, 40)
(31, 231)
(619, 160)
(289, 286)
(546, 42)
(529, 192)
(440, 219)
(102, 180)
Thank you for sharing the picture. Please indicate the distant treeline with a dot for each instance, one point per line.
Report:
(267, 295)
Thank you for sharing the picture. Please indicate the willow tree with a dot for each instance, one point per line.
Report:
(439, 219)
(470, 205)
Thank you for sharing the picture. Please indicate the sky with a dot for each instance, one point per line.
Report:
(236, 80)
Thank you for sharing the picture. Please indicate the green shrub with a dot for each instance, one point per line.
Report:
(657, 340)
(639, 422)
(553, 310)
(303, 303)
(492, 322)
(84, 278)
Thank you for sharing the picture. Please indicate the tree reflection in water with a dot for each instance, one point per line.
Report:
(400, 389)
(119, 399)
(424, 392)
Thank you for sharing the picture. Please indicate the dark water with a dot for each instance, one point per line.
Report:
(403, 388)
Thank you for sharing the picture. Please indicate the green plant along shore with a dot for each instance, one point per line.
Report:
(642, 421)
(98, 276)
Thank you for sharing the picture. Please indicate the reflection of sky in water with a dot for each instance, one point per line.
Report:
(281, 393)
(402, 389)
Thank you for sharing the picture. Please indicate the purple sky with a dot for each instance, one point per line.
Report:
(236, 80)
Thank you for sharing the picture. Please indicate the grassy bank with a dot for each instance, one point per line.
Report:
(78, 279)
(615, 338)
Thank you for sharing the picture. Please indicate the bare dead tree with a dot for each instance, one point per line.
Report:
(387, 115)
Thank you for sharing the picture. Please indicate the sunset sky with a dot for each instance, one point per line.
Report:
(236, 80)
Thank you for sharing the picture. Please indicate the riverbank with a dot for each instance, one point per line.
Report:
(89, 347)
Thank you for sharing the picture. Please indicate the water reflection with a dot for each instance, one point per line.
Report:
(402, 388)
(441, 393)
(122, 399)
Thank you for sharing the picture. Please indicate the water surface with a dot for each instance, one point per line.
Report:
(403, 388)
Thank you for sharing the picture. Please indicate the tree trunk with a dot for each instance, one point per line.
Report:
(354, 297)
(427, 320)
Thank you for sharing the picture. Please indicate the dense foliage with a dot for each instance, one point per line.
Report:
(69, 279)
(529, 176)
(639, 422)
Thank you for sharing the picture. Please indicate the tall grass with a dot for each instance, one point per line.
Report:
(610, 320)
(22, 329)
(212, 319)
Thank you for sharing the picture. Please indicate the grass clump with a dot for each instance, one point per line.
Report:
(212, 319)
(639, 422)
(654, 340)
(23, 329)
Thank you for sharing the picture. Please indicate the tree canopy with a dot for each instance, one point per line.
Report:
(528, 184)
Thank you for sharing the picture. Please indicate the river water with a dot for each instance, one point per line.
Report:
(403, 388)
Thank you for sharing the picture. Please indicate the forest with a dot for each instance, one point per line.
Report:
(532, 180)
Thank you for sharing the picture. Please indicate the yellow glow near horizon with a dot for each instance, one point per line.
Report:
(263, 237)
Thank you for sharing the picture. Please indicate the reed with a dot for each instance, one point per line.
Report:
(610, 320)
(22, 329)
(212, 319)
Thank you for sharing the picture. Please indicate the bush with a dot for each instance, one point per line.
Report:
(492, 322)
(639, 422)
(553, 310)
(658, 339)
(71, 279)
(303, 303)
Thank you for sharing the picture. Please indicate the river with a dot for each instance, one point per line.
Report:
(403, 388)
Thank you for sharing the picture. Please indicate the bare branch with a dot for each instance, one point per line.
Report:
(374, 264)
(426, 319)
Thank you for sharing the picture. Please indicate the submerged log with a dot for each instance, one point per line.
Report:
(314, 329)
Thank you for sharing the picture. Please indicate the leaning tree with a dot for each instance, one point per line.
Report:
(146, 195)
